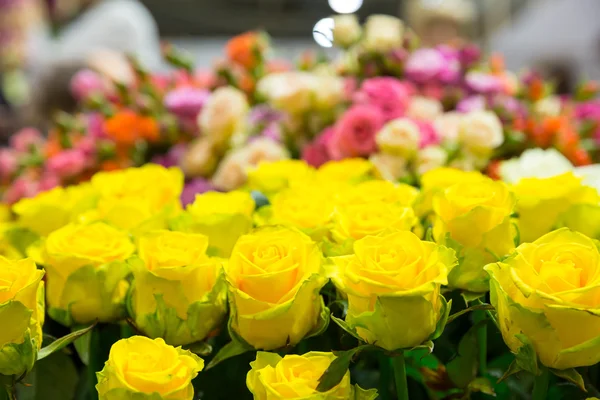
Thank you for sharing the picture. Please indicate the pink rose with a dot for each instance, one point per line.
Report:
(67, 163)
(26, 139)
(8, 163)
(425, 65)
(87, 83)
(186, 102)
(21, 187)
(317, 153)
(481, 82)
(470, 104)
(389, 95)
(429, 135)
(354, 134)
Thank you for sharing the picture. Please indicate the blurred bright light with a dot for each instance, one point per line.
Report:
(345, 6)
(323, 32)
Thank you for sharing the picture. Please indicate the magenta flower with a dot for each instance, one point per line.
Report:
(354, 133)
(425, 65)
(172, 157)
(8, 163)
(317, 152)
(66, 164)
(389, 95)
(186, 102)
(472, 103)
(26, 139)
(194, 187)
(429, 135)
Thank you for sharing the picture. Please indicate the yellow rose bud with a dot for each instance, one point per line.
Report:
(542, 201)
(348, 170)
(548, 291)
(436, 181)
(139, 199)
(393, 286)
(55, 208)
(272, 377)
(142, 368)
(355, 221)
(178, 293)
(223, 217)
(274, 276)
(22, 315)
(86, 273)
(272, 177)
(476, 216)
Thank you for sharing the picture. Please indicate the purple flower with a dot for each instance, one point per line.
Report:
(469, 104)
(172, 158)
(481, 82)
(469, 55)
(194, 187)
(186, 102)
(264, 115)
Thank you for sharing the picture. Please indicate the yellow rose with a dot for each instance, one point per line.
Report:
(5, 214)
(223, 217)
(542, 201)
(178, 293)
(583, 218)
(393, 287)
(6, 247)
(272, 377)
(437, 180)
(86, 273)
(274, 276)
(272, 177)
(355, 221)
(22, 315)
(138, 199)
(55, 208)
(142, 368)
(476, 217)
(548, 291)
(348, 170)
(377, 190)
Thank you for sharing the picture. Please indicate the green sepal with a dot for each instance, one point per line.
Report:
(322, 323)
(444, 314)
(364, 394)
(570, 375)
(526, 357)
(512, 369)
(17, 358)
(342, 324)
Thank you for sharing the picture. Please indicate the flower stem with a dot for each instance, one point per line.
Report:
(385, 376)
(400, 377)
(540, 385)
(479, 316)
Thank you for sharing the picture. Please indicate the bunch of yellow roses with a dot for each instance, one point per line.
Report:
(122, 248)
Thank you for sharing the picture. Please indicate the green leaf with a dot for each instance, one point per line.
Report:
(342, 324)
(570, 375)
(201, 348)
(334, 374)
(467, 310)
(526, 356)
(470, 297)
(444, 314)
(482, 385)
(513, 368)
(421, 351)
(462, 369)
(82, 346)
(54, 377)
(231, 349)
(63, 342)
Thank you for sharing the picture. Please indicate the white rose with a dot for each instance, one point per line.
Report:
(548, 107)
(399, 137)
(224, 114)
(233, 170)
(330, 92)
(289, 91)
(199, 158)
(535, 163)
(389, 167)
(430, 158)
(590, 175)
(447, 126)
(481, 131)
(346, 30)
(383, 33)
(424, 108)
